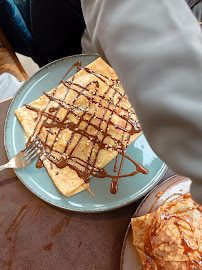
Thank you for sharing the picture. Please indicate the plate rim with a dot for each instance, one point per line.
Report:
(163, 169)
(138, 208)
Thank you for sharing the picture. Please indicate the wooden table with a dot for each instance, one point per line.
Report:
(36, 236)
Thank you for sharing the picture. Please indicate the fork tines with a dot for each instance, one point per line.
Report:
(33, 149)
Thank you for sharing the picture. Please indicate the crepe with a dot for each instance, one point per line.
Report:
(171, 237)
(82, 125)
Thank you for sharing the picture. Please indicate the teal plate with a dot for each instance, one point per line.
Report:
(39, 182)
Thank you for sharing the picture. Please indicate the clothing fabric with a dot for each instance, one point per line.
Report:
(57, 27)
(87, 45)
(157, 54)
(196, 7)
(15, 28)
(24, 7)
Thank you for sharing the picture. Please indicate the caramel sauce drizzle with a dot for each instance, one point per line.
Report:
(48, 119)
(188, 249)
(158, 197)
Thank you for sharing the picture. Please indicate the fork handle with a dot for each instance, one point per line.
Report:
(5, 166)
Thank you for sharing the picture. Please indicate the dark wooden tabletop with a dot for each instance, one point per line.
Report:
(36, 236)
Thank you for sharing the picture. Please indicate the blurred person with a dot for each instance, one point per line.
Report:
(57, 27)
(49, 30)
(43, 30)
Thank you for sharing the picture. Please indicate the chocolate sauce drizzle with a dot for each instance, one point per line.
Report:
(110, 103)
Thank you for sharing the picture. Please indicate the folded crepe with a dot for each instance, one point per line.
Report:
(82, 125)
(171, 237)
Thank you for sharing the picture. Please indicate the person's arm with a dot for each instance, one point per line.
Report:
(155, 48)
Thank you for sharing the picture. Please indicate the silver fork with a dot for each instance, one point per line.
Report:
(24, 157)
